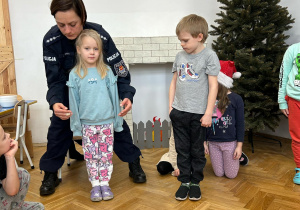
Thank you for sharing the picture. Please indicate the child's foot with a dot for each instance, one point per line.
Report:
(195, 192)
(96, 194)
(106, 193)
(297, 176)
(244, 160)
(182, 192)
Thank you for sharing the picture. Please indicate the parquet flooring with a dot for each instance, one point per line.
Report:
(266, 183)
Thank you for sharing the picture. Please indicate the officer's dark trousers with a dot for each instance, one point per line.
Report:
(189, 137)
(60, 139)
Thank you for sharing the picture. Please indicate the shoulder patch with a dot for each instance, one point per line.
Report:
(121, 69)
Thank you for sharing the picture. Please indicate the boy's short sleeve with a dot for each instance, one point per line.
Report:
(174, 68)
(213, 65)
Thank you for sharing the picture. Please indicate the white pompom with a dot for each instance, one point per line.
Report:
(236, 75)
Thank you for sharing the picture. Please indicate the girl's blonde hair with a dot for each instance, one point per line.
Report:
(100, 65)
(223, 98)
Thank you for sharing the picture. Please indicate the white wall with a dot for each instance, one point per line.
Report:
(31, 19)
(154, 101)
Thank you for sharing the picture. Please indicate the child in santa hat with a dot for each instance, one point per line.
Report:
(226, 136)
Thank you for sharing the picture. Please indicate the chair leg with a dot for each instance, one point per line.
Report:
(68, 156)
(21, 152)
(26, 151)
(59, 174)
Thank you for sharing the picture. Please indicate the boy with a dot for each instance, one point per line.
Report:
(289, 99)
(192, 96)
(13, 182)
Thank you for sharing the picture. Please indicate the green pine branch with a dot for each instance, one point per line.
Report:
(252, 34)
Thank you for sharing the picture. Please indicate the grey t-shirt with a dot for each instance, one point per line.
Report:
(192, 80)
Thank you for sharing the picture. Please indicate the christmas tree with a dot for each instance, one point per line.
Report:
(251, 33)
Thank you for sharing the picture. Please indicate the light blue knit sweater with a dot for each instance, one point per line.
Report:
(94, 101)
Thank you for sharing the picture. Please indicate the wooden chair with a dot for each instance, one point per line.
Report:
(20, 114)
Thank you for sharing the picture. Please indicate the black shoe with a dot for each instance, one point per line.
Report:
(136, 172)
(182, 192)
(244, 160)
(74, 154)
(49, 183)
(195, 192)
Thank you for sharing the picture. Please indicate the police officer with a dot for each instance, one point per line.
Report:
(59, 57)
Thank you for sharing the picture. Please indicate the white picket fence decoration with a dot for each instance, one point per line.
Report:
(143, 136)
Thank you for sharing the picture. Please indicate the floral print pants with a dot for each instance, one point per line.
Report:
(97, 143)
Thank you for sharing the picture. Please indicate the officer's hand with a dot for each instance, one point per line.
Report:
(126, 103)
(61, 111)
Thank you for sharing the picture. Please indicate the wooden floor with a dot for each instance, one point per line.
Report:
(266, 183)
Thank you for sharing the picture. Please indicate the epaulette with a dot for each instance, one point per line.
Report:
(97, 27)
(52, 36)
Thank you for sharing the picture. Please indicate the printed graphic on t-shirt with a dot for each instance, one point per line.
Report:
(92, 81)
(186, 73)
(219, 120)
(297, 76)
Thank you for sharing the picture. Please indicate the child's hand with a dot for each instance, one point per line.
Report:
(206, 121)
(285, 112)
(206, 148)
(12, 150)
(170, 109)
(237, 153)
(176, 172)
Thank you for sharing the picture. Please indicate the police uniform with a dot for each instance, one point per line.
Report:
(59, 54)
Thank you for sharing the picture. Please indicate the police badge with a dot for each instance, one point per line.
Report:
(121, 69)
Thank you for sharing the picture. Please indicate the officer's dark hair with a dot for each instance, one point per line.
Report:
(65, 5)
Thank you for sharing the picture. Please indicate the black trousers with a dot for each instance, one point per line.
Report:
(189, 137)
(60, 139)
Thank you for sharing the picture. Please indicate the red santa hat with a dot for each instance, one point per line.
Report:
(228, 73)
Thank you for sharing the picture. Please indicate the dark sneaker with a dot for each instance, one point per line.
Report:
(195, 192)
(244, 160)
(49, 183)
(136, 172)
(182, 192)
